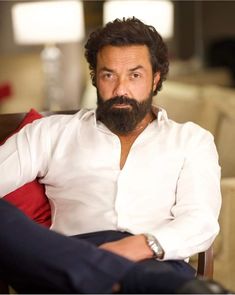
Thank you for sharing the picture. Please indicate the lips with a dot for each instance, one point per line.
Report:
(121, 105)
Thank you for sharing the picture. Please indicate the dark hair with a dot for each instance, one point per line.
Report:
(130, 31)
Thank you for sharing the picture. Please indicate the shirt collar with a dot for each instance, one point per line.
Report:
(160, 113)
(97, 124)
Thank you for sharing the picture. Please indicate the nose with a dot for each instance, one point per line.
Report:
(121, 88)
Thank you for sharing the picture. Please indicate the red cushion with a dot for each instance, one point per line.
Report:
(31, 198)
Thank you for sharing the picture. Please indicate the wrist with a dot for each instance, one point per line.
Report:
(154, 246)
(148, 253)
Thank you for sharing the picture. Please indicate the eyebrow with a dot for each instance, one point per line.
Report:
(139, 67)
(130, 70)
(105, 69)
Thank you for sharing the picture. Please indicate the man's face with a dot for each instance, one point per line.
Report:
(125, 83)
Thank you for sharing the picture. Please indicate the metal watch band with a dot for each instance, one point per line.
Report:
(154, 245)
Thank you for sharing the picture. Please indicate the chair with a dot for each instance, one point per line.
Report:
(182, 101)
(9, 122)
(205, 266)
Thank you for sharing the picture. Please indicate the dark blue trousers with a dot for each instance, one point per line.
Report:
(172, 273)
(36, 260)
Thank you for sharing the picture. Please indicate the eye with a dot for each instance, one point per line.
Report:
(107, 76)
(135, 75)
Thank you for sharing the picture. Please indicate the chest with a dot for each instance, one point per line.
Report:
(106, 162)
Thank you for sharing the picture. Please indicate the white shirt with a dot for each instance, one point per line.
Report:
(169, 185)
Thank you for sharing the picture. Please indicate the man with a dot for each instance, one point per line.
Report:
(124, 176)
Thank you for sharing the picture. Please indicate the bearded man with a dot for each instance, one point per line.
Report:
(124, 177)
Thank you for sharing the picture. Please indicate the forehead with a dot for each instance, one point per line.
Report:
(129, 56)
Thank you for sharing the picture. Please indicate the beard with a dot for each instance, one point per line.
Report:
(122, 120)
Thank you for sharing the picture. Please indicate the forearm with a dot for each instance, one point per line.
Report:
(182, 240)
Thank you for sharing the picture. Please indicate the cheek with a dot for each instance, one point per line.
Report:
(105, 89)
(141, 90)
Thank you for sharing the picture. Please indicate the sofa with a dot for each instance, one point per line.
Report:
(212, 107)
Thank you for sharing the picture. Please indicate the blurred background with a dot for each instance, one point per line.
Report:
(42, 66)
(200, 36)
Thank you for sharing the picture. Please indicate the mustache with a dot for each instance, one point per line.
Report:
(119, 100)
(122, 120)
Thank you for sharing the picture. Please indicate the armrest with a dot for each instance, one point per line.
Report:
(205, 265)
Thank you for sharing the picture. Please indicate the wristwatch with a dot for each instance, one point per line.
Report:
(154, 245)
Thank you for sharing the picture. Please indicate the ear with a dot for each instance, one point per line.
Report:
(156, 79)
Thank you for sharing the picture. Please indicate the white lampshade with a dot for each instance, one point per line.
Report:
(48, 22)
(157, 13)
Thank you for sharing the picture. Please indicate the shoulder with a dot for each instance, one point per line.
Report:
(189, 130)
(63, 120)
(55, 125)
(190, 137)
(184, 131)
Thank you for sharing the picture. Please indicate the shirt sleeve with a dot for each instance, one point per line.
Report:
(198, 201)
(23, 157)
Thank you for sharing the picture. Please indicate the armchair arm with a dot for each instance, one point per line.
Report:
(205, 265)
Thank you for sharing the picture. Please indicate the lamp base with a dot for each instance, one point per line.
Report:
(51, 59)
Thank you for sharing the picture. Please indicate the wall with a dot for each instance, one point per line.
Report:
(197, 24)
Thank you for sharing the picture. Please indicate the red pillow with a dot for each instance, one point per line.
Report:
(31, 197)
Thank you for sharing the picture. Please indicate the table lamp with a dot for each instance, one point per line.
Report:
(49, 23)
(157, 13)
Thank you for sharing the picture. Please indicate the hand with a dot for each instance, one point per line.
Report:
(134, 248)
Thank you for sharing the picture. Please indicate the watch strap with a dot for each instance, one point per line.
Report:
(154, 245)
